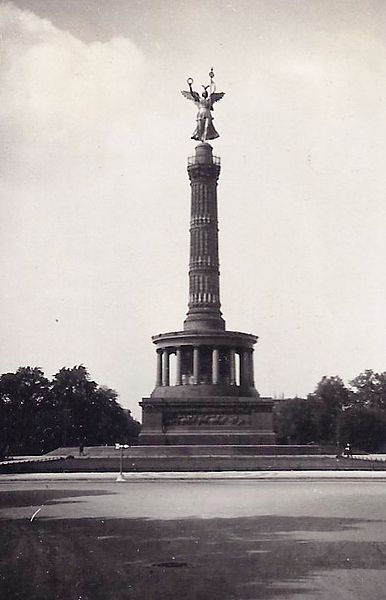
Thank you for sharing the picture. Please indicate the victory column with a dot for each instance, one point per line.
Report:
(213, 400)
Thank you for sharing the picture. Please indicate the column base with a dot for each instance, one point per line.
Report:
(203, 321)
(207, 421)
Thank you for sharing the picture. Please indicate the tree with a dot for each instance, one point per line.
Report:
(370, 389)
(25, 404)
(328, 400)
(364, 428)
(113, 423)
(293, 421)
(316, 418)
(38, 415)
(73, 396)
(89, 414)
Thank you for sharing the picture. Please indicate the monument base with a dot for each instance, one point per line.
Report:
(207, 421)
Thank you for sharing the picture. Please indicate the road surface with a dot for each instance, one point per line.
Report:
(193, 540)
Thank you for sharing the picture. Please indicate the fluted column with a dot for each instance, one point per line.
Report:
(158, 381)
(232, 367)
(178, 367)
(165, 368)
(196, 365)
(215, 366)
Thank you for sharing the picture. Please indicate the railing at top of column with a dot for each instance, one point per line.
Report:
(192, 160)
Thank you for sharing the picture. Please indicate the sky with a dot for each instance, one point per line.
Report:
(95, 198)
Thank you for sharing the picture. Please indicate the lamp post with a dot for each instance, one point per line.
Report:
(121, 447)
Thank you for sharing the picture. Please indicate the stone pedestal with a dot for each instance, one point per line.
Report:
(207, 421)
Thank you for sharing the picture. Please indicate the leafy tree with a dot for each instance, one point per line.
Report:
(328, 400)
(364, 428)
(294, 423)
(315, 419)
(114, 424)
(370, 389)
(37, 415)
(26, 407)
(89, 414)
(332, 392)
(5, 426)
(73, 395)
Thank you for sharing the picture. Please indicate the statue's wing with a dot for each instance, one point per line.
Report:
(191, 96)
(215, 97)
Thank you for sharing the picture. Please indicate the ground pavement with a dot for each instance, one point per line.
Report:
(172, 536)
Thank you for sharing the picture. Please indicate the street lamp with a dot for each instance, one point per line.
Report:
(121, 447)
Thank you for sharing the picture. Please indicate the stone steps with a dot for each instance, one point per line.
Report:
(203, 463)
(189, 451)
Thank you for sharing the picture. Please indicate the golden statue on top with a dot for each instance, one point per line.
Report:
(205, 129)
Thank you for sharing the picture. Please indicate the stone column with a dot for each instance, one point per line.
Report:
(215, 366)
(158, 381)
(232, 367)
(178, 367)
(196, 365)
(165, 368)
(204, 274)
(251, 370)
(244, 369)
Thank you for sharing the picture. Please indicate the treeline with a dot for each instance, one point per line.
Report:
(38, 415)
(335, 414)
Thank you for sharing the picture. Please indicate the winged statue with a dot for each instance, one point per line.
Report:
(205, 129)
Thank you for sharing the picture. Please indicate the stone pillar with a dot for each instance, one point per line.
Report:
(165, 368)
(196, 365)
(244, 369)
(158, 381)
(232, 367)
(178, 367)
(215, 366)
(204, 274)
(251, 370)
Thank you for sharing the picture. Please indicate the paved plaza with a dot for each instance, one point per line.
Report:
(222, 539)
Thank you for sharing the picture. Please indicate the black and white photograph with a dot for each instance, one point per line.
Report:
(193, 289)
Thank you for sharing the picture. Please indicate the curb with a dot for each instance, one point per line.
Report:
(196, 476)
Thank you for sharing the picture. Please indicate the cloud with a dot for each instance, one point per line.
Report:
(52, 85)
(64, 198)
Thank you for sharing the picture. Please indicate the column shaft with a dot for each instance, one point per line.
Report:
(251, 369)
(232, 367)
(158, 380)
(204, 275)
(178, 367)
(165, 368)
(196, 365)
(215, 366)
(244, 369)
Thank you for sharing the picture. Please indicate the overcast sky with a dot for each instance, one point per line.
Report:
(95, 195)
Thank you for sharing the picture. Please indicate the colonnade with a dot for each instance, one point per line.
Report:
(241, 374)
